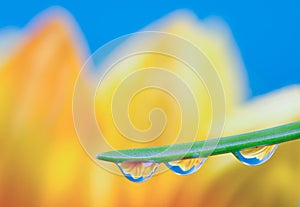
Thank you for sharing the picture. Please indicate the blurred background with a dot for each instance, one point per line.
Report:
(43, 45)
(266, 32)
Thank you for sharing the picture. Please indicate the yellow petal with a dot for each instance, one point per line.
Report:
(40, 149)
(273, 183)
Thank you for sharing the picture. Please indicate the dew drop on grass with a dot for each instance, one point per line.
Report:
(185, 166)
(255, 155)
(138, 171)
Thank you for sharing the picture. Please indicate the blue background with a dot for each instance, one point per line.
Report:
(267, 32)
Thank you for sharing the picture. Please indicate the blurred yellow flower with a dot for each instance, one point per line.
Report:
(43, 164)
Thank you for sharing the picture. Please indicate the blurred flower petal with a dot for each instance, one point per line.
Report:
(40, 149)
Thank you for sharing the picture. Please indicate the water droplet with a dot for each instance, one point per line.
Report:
(255, 155)
(185, 166)
(138, 171)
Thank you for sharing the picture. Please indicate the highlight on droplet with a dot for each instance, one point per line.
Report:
(255, 155)
(138, 171)
(185, 166)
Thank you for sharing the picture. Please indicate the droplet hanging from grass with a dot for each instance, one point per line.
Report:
(185, 166)
(252, 148)
(255, 155)
(138, 171)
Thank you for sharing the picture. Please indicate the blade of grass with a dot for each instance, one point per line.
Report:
(206, 148)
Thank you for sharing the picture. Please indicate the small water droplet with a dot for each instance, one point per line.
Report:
(185, 166)
(255, 155)
(138, 171)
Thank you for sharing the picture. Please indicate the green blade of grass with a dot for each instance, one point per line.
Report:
(206, 148)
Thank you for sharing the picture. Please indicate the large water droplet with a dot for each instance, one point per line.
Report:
(255, 155)
(185, 166)
(138, 171)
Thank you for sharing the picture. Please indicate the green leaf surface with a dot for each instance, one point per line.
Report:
(208, 147)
